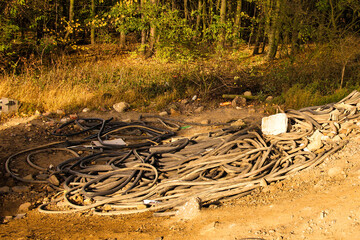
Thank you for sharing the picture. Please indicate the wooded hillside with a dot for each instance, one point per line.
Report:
(175, 27)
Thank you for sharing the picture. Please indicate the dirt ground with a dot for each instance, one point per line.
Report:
(318, 203)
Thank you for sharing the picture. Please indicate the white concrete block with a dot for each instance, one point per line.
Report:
(274, 124)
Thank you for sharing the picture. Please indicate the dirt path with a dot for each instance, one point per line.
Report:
(318, 203)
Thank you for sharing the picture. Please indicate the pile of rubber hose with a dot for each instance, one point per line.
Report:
(123, 168)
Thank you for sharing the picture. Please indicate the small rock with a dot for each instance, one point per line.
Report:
(335, 172)
(121, 107)
(141, 206)
(238, 102)
(42, 176)
(60, 112)
(199, 109)
(263, 182)
(64, 120)
(163, 114)
(238, 123)
(247, 93)
(7, 219)
(194, 98)
(50, 123)
(315, 141)
(107, 207)
(269, 99)
(173, 112)
(29, 177)
(85, 110)
(54, 180)
(25, 207)
(190, 209)
(184, 102)
(4, 189)
(19, 216)
(128, 120)
(205, 122)
(20, 189)
(88, 201)
(46, 114)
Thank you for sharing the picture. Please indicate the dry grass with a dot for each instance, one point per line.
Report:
(73, 83)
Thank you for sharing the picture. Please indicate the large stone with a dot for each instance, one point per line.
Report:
(336, 172)
(4, 189)
(163, 114)
(20, 189)
(25, 207)
(190, 209)
(239, 123)
(247, 94)
(315, 141)
(121, 107)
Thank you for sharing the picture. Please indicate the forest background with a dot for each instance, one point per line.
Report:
(68, 54)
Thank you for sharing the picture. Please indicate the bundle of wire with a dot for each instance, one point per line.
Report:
(150, 173)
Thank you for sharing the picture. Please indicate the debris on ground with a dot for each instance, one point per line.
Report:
(227, 163)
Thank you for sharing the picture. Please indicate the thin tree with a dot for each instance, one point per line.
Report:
(92, 31)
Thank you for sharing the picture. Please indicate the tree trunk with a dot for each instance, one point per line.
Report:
(122, 39)
(198, 17)
(237, 24)
(274, 32)
(71, 18)
(152, 37)
(92, 33)
(257, 40)
(143, 31)
(223, 22)
(186, 11)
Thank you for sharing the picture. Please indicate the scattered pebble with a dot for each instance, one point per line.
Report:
(4, 189)
(247, 93)
(335, 172)
(60, 112)
(20, 189)
(199, 109)
(8, 219)
(85, 110)
(64, 120)
(163, 114)
(54, 180)
(184, 102)
(25, 207)
(239, 123)
(19, 216)
(121, 107)
(190, 209)
(205, 121)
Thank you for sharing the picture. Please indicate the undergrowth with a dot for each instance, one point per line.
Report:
(310, 79)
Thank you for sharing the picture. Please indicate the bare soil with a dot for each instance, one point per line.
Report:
(318, 203)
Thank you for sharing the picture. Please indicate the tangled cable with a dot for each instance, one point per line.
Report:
(109, 177)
